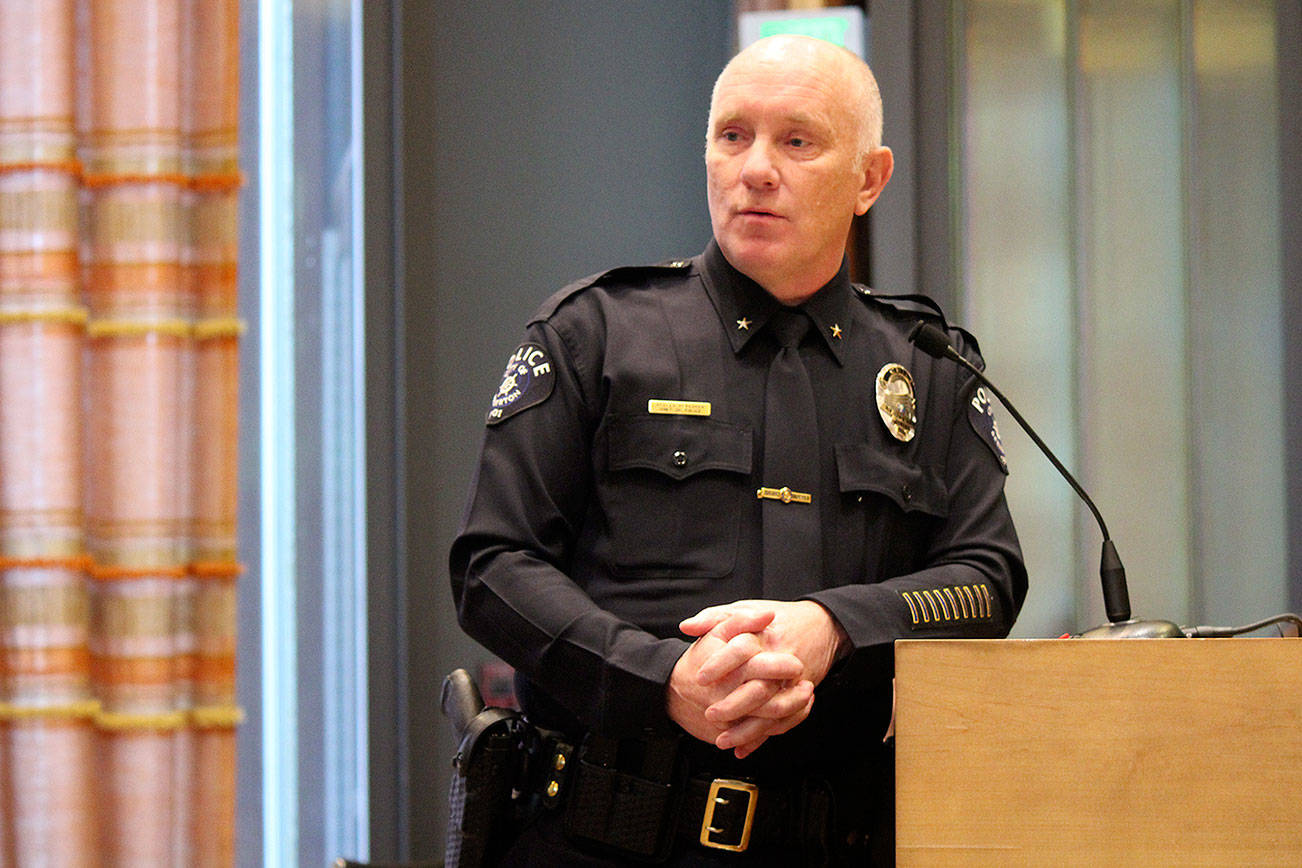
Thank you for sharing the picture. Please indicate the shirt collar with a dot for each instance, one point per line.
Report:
(745, 307)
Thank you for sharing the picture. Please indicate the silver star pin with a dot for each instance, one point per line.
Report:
(743, 324)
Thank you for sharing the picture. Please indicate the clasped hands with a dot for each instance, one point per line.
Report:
(752, 670)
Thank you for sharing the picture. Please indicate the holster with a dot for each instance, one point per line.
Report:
(506, 770)
(485, 770)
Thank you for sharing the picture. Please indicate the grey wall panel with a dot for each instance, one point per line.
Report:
(537, 147)
(1289, 42)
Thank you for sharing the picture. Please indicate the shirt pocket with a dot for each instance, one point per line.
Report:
(673, 494)
(861, 468)
(892, 505)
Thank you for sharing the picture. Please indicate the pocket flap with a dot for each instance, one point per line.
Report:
(678, 446)
(913, 487)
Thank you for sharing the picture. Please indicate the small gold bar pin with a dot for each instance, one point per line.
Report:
(678, 408)
(784, 494)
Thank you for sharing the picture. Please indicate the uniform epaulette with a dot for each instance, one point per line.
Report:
(910, 303)
(620, 272)
(916, 306)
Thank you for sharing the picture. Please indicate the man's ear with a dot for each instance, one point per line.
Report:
(877, 168)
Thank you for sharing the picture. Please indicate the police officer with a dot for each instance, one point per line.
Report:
(712, 494)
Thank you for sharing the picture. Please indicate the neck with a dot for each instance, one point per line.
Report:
(791, 296)
(793, 286)
(792, 290)
(788, 289)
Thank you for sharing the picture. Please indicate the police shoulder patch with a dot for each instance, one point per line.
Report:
(981, 414)
(527, 381)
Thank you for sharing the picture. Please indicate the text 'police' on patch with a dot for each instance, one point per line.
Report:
(981, 413)
(526, 382)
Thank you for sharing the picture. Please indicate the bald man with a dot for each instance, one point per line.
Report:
(712, 494)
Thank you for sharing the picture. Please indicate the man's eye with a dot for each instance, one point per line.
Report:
(731, 136)
(797, 142)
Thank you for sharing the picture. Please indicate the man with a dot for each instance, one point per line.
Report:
(713, 493)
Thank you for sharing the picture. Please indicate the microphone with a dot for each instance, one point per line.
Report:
(1112, 574)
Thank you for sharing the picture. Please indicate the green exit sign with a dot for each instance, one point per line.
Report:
(841, 25)
(830, 28)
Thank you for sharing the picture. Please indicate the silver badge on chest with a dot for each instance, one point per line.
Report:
(896, 403)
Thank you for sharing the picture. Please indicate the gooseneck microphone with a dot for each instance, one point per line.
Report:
(1116, 595)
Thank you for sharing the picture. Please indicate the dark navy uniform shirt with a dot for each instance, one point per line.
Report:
(594, 526)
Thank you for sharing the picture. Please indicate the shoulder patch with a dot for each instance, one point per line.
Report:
(527, 381)
(981, 414)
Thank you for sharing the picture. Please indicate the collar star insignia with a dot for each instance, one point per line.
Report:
(836, 330)
(743, 324)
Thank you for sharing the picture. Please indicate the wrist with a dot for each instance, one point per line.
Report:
(843, 644)
(834, 642)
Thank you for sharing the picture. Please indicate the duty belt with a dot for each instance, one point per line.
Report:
(642, 813)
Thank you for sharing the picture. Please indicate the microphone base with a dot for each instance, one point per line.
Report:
(1135, 629)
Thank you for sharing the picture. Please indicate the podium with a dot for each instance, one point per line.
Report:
(1099, 752)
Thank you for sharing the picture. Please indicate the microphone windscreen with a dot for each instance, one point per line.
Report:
(930, 340)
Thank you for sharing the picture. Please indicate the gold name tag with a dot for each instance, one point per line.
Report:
(678, 408)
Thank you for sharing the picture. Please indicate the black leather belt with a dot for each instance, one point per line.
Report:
(642, 814)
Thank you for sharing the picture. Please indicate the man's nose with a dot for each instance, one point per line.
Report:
(759, 169)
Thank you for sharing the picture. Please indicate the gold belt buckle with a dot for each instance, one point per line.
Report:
(715, 798)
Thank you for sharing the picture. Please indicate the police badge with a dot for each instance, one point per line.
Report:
(896, 403)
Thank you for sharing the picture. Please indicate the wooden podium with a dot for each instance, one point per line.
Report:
(1099, 752)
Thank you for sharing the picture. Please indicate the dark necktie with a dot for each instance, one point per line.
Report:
(792, 543)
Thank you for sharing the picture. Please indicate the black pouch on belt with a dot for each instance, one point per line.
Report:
(624, 796)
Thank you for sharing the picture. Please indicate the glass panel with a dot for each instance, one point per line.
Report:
(278, 707)
(1133, 408)
(1017, 290)
(1149, 172)
(1234, 313)
(313, 710)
